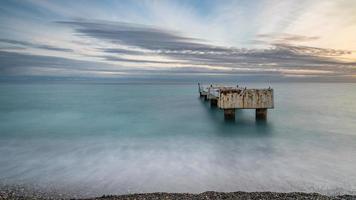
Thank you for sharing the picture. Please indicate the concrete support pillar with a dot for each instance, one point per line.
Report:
(205, 97)
(261, 113)
(213, 103)
(229, 114)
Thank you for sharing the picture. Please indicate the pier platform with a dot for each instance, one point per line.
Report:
(230, 98)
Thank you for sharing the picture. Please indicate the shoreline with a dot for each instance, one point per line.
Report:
(9, 194)
(225, 195)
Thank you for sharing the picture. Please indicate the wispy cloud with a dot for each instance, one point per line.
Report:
(135, 35)
(285, 38)
(269, 38)
(13, 64)
(24, 44)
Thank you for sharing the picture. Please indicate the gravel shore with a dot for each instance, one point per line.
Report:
(226, 196)
(7, 195)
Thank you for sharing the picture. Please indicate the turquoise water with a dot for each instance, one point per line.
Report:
(123, 138)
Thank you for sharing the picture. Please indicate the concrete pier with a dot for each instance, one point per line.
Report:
(213, 103)
(229, 114)
(261, 113)
(230, 98)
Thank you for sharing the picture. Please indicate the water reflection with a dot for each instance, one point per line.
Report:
(244, 123)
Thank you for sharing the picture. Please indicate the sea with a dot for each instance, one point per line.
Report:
(92, 138)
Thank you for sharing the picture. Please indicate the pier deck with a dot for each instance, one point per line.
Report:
(230, 98)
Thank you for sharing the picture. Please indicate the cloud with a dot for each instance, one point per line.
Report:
(166, 42)
(154, 41)
(12, 63)
(321, 52)
(138, 35)
(118, 59)
(32, 45)
(286, 38)
(122, 51)
(117, 48)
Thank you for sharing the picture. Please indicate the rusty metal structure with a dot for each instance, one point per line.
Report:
(230, 98)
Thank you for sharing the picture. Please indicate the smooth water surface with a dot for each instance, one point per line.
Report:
(124, 138)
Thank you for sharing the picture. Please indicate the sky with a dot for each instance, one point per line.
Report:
(260, 39)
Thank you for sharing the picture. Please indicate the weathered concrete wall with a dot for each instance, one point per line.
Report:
(246, 98)
(213, 92)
